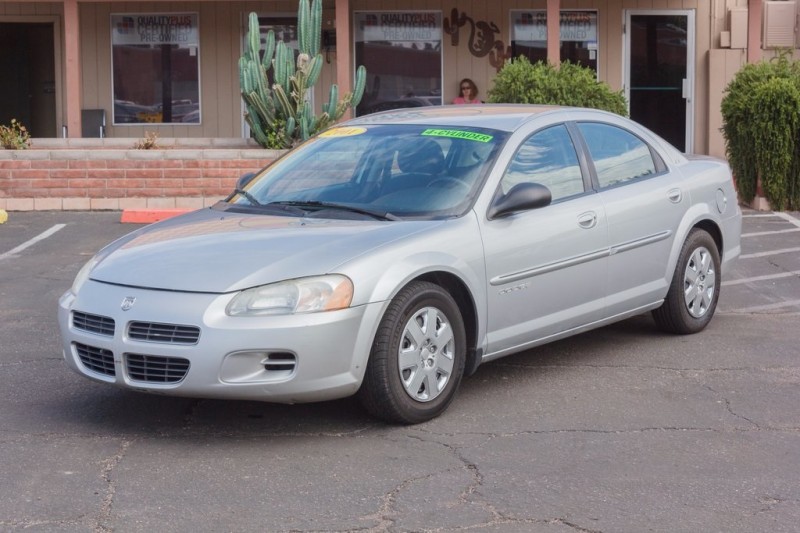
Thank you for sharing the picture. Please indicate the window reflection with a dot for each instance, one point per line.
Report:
(155, 68)
(548, 157)
(578, 36)
(618, 155)
(402, 52)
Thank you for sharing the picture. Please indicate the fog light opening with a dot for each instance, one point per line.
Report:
(279, 362)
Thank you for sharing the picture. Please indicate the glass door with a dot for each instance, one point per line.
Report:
(28, 89)
(659, 73)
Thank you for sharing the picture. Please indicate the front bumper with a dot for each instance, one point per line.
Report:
(288, 359)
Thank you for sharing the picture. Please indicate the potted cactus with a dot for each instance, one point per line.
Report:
(279, 113)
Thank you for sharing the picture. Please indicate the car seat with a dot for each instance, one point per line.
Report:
(420, 161)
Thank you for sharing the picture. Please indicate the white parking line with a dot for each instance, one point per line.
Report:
(761, 278)
(760, 215)
(766, 307)
(771, 252)
(788, 218)
(31, 242)
(775, 232)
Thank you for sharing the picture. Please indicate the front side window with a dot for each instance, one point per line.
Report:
(402, 52)
(618, 155)
(155, 63)
(578, 36)
(548, 157)
(404, 171)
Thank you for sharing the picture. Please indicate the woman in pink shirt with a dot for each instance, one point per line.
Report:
(469, 93)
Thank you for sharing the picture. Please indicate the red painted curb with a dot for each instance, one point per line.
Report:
(148, 216)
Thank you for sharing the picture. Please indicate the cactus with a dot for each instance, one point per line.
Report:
(280, 115)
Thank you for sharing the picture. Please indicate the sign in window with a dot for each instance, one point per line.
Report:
(578, 36)
(402, 52)
(155, 68)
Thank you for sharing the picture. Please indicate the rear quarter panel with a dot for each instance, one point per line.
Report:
(713, 198)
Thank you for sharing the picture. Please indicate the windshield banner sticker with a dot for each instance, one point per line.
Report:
(343, 132)
(459, 134)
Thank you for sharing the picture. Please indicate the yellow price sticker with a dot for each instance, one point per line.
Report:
(343, 132)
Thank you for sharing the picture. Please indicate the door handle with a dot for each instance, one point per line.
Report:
(675, 195)
(587, 220)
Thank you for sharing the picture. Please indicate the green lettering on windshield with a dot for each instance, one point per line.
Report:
(459, 134)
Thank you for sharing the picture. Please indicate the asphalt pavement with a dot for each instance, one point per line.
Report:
(622, 429)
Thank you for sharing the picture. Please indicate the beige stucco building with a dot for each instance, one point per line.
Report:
(171, 66)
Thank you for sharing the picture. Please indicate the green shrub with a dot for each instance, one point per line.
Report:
(761, 126)
(15, 136)
(521, 82)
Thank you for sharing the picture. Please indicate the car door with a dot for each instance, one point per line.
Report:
(546, 267)
(644, 204)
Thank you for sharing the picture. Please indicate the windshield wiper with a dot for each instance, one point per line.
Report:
(380, 215)
(250, 198)
(277, 207)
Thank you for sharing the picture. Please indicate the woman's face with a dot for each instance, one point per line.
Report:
(466, 90)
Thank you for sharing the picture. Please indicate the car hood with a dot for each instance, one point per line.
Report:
(217, 252)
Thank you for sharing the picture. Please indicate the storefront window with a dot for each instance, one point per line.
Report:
(402, 52)
(156, 68)
(578, 36)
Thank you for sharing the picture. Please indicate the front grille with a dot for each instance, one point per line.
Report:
(96, 359)
(156, 369)
(165, 333)
(102, 325)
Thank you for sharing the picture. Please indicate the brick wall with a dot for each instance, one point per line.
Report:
(82, 174)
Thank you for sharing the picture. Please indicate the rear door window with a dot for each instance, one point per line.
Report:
(619, 156)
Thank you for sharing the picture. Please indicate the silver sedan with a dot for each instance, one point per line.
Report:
(391, 255)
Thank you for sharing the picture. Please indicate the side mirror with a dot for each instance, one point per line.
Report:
(521, 197)
(244, 179)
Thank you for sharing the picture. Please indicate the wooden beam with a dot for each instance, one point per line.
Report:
(754, 30)
(554, 32)
(344, 69)
(72, 63)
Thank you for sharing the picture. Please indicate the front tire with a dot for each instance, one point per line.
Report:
(694, 292)
(417, 358)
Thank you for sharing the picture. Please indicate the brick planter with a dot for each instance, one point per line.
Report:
(107, 174)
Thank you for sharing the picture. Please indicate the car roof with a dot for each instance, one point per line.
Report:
(506, 117)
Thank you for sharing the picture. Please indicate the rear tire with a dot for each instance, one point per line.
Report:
(694, 292)
(417, 358)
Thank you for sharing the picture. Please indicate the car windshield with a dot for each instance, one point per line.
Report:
(377, 171)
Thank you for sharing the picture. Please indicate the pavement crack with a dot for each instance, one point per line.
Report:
(470, 493)
(576, 527)
(107, 474)
(730, 408)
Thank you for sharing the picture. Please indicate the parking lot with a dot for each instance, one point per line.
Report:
(622, 429)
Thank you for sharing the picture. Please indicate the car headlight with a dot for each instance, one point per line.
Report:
(304, 295)
(83, 275)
